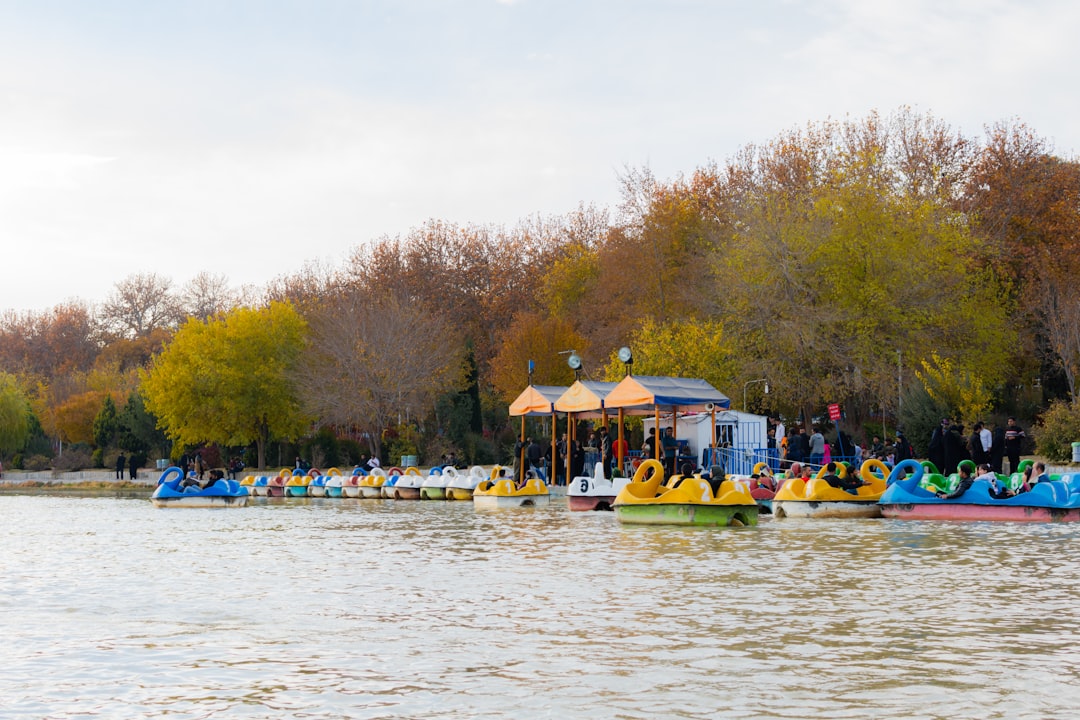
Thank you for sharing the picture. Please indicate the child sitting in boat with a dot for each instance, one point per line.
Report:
(997, 490)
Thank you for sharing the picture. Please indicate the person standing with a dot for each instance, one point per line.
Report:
(975, 446)
(133, 467)
(603, 444)
(817, 448)
(619, 449)
(670, 451)
(997, 448)
(1014, 437)
(121, 463)
(936, 451)
(534, 452)
(986, 439)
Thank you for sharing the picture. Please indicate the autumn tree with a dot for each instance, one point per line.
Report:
(542, 340)
(838, 264)
(473, 277)
(376, 357)
(229, 379)
(62, 339)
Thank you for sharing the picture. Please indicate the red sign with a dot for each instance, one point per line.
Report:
(834, 412)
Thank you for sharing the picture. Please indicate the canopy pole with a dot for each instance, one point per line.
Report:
(554, 452)
(712, 455)
(621, 441)
(569, 445)
(521, 460)
(674, 439)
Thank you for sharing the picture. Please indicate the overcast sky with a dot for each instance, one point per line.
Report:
(249, 137)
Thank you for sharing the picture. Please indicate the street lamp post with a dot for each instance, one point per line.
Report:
(747, 384)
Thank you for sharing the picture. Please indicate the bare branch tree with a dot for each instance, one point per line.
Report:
(207, 295)
(140, 304)
(374, 357)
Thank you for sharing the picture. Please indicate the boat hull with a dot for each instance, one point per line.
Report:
(588, 503)
(296, 490)
(316, 491)
(972, 512)
(686, 514)
(432, 493)
(404, 493)
(370, 492)
(510, 501)
(351, 491)
(459, 494)
(335, 492)
(201, 501)
(825, 509)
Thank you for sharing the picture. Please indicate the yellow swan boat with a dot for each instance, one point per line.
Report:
(501, 492)
(816, 498)
(684, 500)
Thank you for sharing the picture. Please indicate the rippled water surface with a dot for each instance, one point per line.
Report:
(381, 609)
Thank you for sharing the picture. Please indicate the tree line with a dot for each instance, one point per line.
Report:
(889, 264)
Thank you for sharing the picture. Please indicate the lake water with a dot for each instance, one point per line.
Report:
(111, 608)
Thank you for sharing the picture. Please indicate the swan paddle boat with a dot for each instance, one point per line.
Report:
(1051, 501)
(403, 485)
(335, 483)
(503, 492)
(350, 486)
(223, 493)
(594, 492)
(688, 500)
(371, 485)
(322, 483)
(816, 498)
(461, 486)
(296, 485)
(250, 483)
(434, 485)
(275, 486)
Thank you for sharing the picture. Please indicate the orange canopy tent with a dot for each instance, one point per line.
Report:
(536, 400)
(585, 398)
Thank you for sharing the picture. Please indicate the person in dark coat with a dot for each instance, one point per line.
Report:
(577, 459)
(936, 451)
(121, 463)
(902, 450)
(133, 467)
(997, 449)
(955, 449)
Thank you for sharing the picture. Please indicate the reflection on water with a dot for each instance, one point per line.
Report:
(379, 609)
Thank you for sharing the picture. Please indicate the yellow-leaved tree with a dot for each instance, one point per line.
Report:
(680, 348)
(228, 379)
(955, 386)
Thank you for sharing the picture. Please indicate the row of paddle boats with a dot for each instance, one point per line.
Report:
(907, 491)
(446, 483)
(484, 488)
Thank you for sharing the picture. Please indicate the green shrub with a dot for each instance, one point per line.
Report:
(98, 458)
(17, 461)
(1058, 429)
